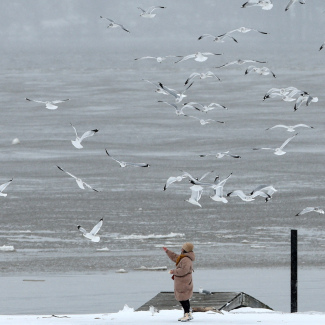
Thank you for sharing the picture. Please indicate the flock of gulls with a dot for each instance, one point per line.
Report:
(198, 184)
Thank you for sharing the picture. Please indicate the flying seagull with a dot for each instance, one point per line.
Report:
(80, 182)
(218, 190)
(159, 59)
(159, 90)
(291, 2)
(290, 128)
(126, 164)
(202, 121)
(248, 198)
(200, 57)
(221, 155)
(310, 209)
(288, 92)
(305, 98)
(262, 71)
(244, 30)
(178, 96)
(205, 108)
(113, 24)
(173, 179)
(178, 111)
(48, 104)
(269, 190)
(195, 195)
(3, 186)
(148, 13)
(239, 62)
(202, 75)
(219, 39)
(92, 234)
(265, 4)
(279, 151)
(77, 142)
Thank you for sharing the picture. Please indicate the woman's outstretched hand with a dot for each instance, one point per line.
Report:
(165, 249)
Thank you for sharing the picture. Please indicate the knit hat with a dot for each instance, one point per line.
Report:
(188, 247)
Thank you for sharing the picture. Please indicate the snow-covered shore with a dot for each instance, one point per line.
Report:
(242, 316)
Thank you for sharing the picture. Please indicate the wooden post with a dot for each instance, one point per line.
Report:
(294, 271)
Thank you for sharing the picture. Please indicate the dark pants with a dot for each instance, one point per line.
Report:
(186, 306)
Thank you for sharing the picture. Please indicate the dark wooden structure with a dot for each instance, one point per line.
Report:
(219, 300)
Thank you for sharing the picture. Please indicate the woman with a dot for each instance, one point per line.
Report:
(182, 276)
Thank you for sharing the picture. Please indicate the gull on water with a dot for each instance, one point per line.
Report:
(49, 104)
(304, 98)
(159, 90)
(195, 195)
(202, 121)
(178, 96)
(79, 181)
(279, 151)
(290, 128)
(262, 71)
(204, 292)
(153, 310)
(218, 190)
(291, 2)
(148, 13)
(3, 186)
(77, 142)
(239, 62)
(200, 57)
(159, 59)
(221, 155)
(269, 190)
(92, 234)
(202, 75)
(310, 209)
(173, 179)
(265, 4)
(113, 24)
(244, 30)
(126, 164)
(205, 108)
(219, 39)
(248, 198)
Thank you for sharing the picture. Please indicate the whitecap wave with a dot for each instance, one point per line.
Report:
(152, 236)
(104, 249)
(5, 248)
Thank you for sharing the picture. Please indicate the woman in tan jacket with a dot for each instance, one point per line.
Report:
(182, 276)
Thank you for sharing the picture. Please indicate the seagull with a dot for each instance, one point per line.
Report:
(48, 104)
(173, 179)
(113, 24)
(3, 186)
(200, 57)
(239, 62)
(178, 96)
(125, 164)
(195, 195)
(92, 234)
(77, 142)
(159, 59)
(248, 198)
(178, 111)
(221, 155)
(287, 93)
(148, 13)
(80, 182)
(153, 310)
(159, 90)
(322, 46)
(204, 292)
(265, 4)
(202, 75)
(269, 189)
(244, 30)
(218, 190)
(310, 209)
(304, 98)
(204, 122)
(290, 128)
(197, 181)
(262, 71)
(219, 39)
(291, 2)
(279, 151)
(205, 108)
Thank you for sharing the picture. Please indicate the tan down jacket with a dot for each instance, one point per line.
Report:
(183, 283)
